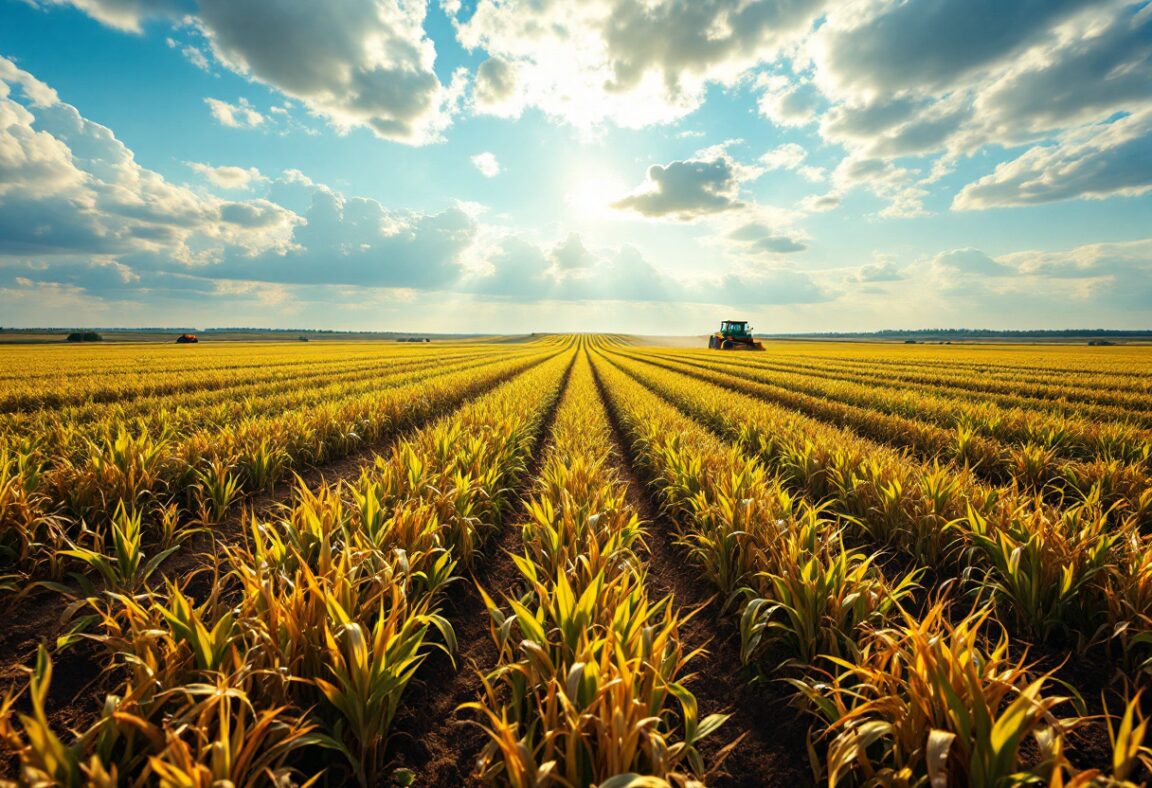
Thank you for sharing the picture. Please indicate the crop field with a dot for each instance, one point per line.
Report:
(575, 561)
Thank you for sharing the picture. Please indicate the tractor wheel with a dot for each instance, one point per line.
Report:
(711, 343)
(728, 345)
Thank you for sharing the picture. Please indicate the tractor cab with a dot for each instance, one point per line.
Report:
(735, 329)
(734, 335)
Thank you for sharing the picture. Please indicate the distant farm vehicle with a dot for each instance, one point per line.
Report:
(187, 339)
(734, 335)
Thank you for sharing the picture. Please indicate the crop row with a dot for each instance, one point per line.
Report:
(45, 510)
(302, 647)
(1020, 406)
(1061, 575)
(588, 686)
(1098, 390)
(896, 697)
(55, 378)
(68, 433)
(185, 390)
(1070, 435)
(1067, 364)
(1120, 477)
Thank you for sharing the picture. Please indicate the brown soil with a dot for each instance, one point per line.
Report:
(772, 748)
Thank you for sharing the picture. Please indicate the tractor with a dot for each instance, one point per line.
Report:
(734, 335)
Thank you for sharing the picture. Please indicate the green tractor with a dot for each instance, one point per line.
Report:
(734, 335)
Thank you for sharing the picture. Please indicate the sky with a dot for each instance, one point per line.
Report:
(642, 166)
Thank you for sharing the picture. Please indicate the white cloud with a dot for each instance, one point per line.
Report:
(820, 203)
(487, 164)
(241, 115)
(759, 238)
(496, 90)
(625, 62)
(788, 156)
(686, 190)
(369, 65)
(1098, 162)
(128, 15)
(76, 189)
(883, 270)
(228, 177)
(196, 58)
(787, 102)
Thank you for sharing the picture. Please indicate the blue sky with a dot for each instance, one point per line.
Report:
(618, 165)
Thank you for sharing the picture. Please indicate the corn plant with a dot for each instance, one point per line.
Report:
(588, 678)
(217, 488)
(928, 701)
(369, 672)
(816, 596)
(44, 757)
(217, 737)
(1044, 570)
(125, 566)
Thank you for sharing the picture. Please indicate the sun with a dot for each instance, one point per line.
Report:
(591, 194)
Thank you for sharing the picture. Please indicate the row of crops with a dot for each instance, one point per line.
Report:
(957, 593)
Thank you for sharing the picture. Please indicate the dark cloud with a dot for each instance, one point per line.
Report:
(934, 44)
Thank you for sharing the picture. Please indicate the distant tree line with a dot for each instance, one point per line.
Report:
(956, 333)
(85, 336)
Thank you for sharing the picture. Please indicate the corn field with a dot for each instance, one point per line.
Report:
(575, 561)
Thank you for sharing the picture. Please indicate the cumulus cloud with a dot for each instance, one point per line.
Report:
(1103, 161)
(128, 15)
(970, 261)
(487, 164)
(1105, 277)
(495, 91)
(241, 115)
(883, 270)
(757, 238)
(887, 180)
(228, 176)
(357, 241)
(627, 62)
(787, 102)
(571, 254)
(370, 65)
(902, 80)
(821, 203)
(886, 47)
(686, 190)
(75, 188)
(788, 156)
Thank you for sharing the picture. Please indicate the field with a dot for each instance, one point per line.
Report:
(575, 560)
